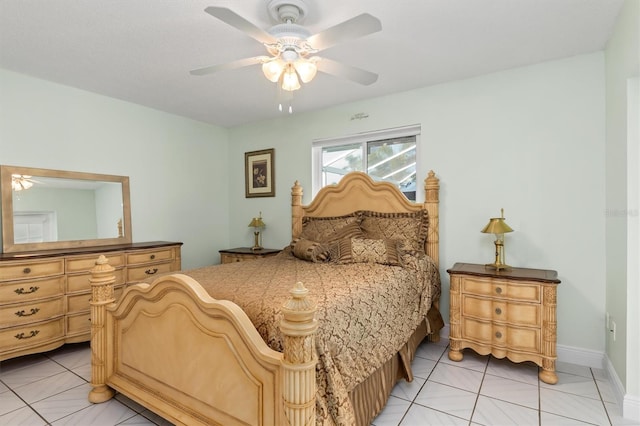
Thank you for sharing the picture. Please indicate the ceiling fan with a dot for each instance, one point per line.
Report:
(292, 48)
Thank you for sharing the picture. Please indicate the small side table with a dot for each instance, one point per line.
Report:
(507, 313)
(243, 254)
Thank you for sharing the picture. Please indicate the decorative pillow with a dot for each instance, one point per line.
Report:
(363, 250)
(309, 250)
(408, 228)
(330, 229)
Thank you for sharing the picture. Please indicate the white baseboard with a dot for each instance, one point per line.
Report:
(580, 356)
(630, 403)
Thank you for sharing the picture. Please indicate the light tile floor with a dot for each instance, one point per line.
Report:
(52, 388)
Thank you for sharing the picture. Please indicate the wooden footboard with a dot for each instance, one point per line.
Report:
(156, 343)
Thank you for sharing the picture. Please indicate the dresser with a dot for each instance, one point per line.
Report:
(44, 295)
(507, 313)
(242, 254)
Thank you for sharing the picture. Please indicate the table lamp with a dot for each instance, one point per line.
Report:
(498, 227)
(257, 224)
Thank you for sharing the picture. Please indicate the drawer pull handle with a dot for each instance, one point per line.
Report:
(499, 290)
(498, 311)
(26, 270)
(22, 313)
(151, 271)
(21, 290)
(22, 336)
(153, 256)
(498, 334)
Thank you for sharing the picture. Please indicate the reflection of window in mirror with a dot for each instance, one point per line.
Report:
(34, 227)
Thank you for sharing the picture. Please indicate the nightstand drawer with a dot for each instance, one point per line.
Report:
(503, 289)
(515, 338)
(501, 311)
(243, 254)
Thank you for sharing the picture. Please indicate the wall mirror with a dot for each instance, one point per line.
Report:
(53, 209)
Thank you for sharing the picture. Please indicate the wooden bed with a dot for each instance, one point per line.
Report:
(217, 368)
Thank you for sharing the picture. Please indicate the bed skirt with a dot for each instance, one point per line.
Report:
(370, 396)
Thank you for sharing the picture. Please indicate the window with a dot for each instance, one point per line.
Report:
(388, 155)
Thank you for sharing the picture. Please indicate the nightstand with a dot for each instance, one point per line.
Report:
(507, 313)
(242, 254)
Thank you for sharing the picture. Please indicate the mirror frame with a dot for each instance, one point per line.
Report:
(8, 244)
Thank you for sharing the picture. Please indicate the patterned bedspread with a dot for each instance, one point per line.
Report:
(366, 312)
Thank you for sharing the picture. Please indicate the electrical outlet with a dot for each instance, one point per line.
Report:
(613, 330)
(607, 321)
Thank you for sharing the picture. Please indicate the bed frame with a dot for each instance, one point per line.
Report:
(196, 360)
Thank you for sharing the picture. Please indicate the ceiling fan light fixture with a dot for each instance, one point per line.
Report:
(290, 79)
(306, 69)
(273, 69)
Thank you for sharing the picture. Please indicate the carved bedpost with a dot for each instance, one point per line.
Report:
(299, 385)
(296, 210)
(102, 280)
(432, 199)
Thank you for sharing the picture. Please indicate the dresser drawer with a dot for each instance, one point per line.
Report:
(39, 310)
(80, 281)
(79, 323)
(150, 256)
(86, 263)
(504, 289)
(80, 302)
(141, 273)
(32, 334)
(501, 335)
(31, 269)
(21, 291)
(500, 310)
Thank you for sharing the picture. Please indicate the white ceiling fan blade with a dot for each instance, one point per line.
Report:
(338, 69)
(229, 65)
(353, 28)
(230, 17)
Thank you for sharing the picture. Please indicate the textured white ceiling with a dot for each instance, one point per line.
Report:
(142, 50)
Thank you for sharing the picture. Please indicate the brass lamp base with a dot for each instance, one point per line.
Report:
(499, 262)
(497, 266)
(256, 241)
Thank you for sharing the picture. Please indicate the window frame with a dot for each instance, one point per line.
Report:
(362, 139)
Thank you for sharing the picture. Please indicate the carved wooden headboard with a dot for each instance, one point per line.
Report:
(357, 191)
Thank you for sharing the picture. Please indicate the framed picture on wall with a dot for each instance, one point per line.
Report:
(259, 174)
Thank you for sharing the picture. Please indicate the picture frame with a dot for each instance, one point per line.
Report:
(259, 173)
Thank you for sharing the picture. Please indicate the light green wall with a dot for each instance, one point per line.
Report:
(622, 58)
(75, 210)
(530, 140)
(177, 167)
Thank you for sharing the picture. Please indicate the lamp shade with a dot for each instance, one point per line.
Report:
(273, 69)
(257, 222)
(290, 79)
(306, 69)
(497, 225)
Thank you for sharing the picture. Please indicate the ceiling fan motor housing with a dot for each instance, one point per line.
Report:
(287, 10)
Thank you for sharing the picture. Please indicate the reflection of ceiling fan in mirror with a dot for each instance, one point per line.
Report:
(292, 48)
(21, 182)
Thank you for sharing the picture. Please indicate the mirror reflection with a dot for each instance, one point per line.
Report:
(53, 209)
(44, 209)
